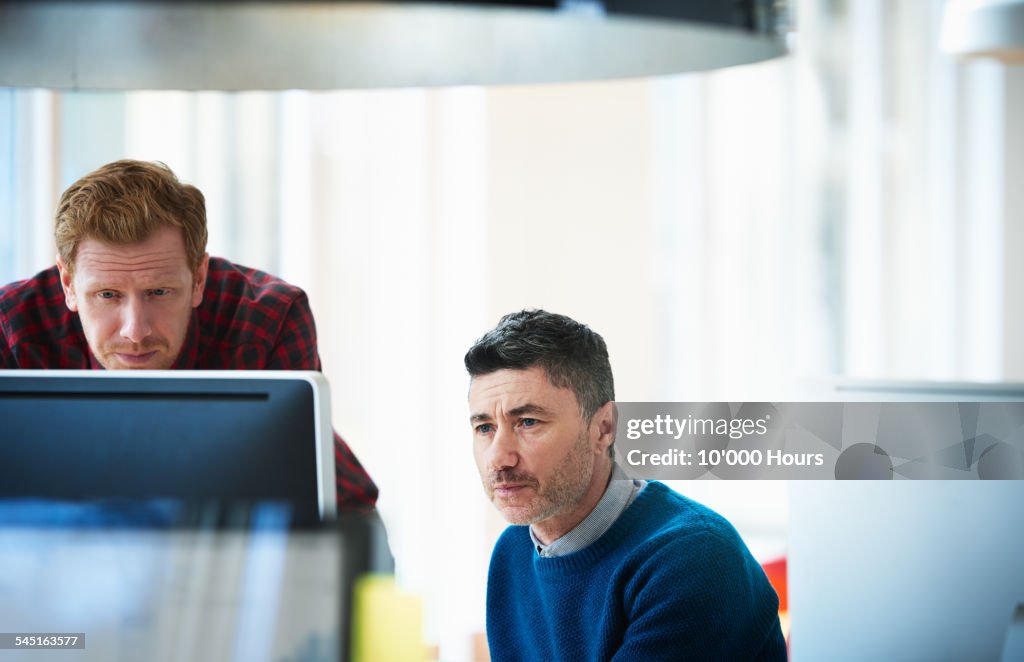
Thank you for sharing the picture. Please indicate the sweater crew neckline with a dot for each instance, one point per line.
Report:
(584, 559)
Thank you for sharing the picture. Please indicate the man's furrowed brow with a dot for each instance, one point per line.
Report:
(522, 410)
(529, 408)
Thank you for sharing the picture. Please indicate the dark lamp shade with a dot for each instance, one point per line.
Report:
(343, 45)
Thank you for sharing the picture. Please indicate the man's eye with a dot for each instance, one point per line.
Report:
(107, 295)
(160, 291)
(528, 422)
(484, 428)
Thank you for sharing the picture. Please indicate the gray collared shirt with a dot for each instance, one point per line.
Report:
(617, 497)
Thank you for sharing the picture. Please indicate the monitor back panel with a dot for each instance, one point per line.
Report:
(906, 569)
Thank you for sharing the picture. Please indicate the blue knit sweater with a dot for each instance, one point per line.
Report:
(670, 580)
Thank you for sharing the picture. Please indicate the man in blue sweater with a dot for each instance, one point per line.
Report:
(597, 568)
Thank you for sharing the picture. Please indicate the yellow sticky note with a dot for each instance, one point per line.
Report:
(387, 624)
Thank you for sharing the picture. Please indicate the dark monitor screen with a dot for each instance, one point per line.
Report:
(195, 436)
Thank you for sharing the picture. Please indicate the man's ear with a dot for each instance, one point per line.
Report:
(199, 281)
(602, 424)
(67, 284)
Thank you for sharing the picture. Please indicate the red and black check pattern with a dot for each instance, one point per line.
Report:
(248, 320)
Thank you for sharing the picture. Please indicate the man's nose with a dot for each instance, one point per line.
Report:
(135, 322)
(504, 449)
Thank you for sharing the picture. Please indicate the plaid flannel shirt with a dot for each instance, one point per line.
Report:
(248, 320)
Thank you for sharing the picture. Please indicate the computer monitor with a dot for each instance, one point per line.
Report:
(907, 569)
(189, 435)
(165, 580)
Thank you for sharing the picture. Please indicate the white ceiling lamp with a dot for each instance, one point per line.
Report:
(985, 28)
(336, 44)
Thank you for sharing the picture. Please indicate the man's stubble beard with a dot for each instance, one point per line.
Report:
(560, 493)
